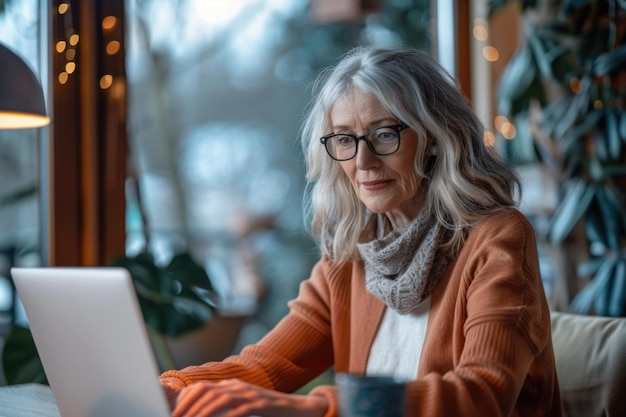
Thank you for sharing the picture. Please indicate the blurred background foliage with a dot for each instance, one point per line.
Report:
(216, 94)
(216, 98)
(565, 90)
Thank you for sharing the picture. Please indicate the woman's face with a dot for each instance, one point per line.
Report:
(385, 184)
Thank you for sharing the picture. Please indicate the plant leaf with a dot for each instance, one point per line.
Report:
(609, 62)
(515, 79)
(609, 218)
(592, 294)
(20, 358)
(617, 302)
(578, 196)
(614, 143)
(167, 296)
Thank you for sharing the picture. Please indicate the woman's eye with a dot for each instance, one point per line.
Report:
(385, 135)
(344, 140)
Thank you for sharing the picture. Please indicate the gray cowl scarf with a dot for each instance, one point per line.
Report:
(403, 267)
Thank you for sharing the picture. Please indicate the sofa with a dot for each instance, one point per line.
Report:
(590, 354)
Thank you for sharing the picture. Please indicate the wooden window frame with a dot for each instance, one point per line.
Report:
(88, 146)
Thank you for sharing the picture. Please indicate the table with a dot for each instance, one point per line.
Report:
(27, 400)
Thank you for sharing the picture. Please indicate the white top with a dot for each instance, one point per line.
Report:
(398, 344)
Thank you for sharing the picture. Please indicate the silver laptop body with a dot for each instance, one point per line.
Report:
(92, 341)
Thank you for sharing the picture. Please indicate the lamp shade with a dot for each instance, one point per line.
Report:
(22, 103)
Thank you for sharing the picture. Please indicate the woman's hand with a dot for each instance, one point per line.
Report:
(235, 398)
(172, 387)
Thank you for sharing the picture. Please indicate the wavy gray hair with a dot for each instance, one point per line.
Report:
(463, 179)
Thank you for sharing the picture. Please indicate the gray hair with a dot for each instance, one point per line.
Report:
(463, 179)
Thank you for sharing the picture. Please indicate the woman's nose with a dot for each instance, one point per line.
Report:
(364, 157)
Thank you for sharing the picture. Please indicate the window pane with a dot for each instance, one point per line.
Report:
(21, 30)
(216, 94)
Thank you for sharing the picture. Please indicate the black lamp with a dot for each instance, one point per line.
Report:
(22, 102)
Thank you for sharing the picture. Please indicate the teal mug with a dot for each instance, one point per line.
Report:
(370, 396)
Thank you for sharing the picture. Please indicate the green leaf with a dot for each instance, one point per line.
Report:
(589, 268)
(540, 55)
(578, 104)
(575, 133)
(614, 144)
(594, 229)
(622, 125)
(20, 358)
(187, 272)
(515, 80)
(617, 302)
(609, 217)
(604, 277)
(607, 63)
(595, 293)
(578, 196)
(168, 296)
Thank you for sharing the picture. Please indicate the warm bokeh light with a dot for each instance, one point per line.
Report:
(106, 81)
(489, 139)
(508, 130)
(70, 67)
(63, 8)
(598, 104)
(576, 85)
(70, 54)
(480, 33)
(74, 39)
(113, 47)
(63, 77)
(480, 29)
(60, 46)
(109, 22)
(499, 121)
(490, 53)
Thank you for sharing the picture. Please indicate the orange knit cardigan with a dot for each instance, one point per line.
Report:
(487, 350)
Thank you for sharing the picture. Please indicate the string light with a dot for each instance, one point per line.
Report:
(490, 53)
(480, 31)
(74, 39)
(576, 85)
(113, 47)
(63, 8)
(505, 127)
(60, 46)
(67, 44)
(489, 139)
(109, 22)
(106, 81)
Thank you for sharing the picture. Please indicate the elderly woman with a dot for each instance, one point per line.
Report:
(428, 271)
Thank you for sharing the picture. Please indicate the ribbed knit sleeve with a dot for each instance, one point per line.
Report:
(488, 350)
(297, 350)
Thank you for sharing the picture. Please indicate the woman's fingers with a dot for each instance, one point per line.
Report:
(209, 399)
(235, 398)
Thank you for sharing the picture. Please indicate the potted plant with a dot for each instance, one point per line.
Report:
(175, 299)
(565, 88)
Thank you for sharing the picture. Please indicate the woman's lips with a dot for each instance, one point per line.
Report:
(375, 185)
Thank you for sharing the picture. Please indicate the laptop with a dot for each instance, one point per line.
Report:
(92, 341)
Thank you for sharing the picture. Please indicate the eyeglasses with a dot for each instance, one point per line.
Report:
(383, 140)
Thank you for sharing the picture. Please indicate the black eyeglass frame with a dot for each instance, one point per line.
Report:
(397, 127)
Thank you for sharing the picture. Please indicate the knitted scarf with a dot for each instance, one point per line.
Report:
(403, 266)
